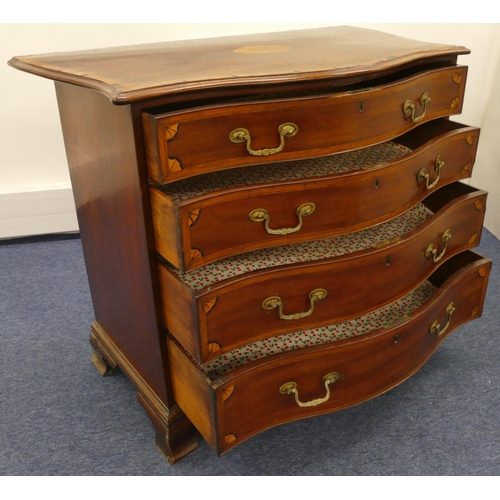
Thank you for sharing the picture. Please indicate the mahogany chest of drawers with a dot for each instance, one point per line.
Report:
(273, 225)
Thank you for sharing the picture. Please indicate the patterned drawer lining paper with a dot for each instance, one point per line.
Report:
(286, 171)
(323, 335)
(303, 252)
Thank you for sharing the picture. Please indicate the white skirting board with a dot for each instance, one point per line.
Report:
(37, 212)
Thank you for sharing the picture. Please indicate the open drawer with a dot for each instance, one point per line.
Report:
(185, 143)
(252, 389)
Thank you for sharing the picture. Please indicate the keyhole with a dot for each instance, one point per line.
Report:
(388, 260)
(376, 184)
(396, 338)
(361, 106)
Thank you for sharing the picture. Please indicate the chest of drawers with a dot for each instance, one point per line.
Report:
(273, 225)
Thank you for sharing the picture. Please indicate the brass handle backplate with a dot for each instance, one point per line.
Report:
(409, 107)
(436, 326)
(291, 388)
(242, 134)
(432, 250)
(275, 301)
(438, 165)
(261, 214)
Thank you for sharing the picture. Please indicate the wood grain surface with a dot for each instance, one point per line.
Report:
(132, 73)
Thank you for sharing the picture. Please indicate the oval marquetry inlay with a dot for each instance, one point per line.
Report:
(262, 49)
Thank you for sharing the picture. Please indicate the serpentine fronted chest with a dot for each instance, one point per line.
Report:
(273, 225)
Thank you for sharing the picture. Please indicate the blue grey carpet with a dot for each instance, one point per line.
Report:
(60, 417)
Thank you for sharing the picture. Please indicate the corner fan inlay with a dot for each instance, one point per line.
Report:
(472, 239)
(173, 164)
(227, 393)
(193, 216)
(195, 254)
(210, 304)
(470, 141)
(171, 131)
(213, 347)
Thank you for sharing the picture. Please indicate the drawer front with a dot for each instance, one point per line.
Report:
(259, 395)
(294, 297)
(187, 143)
(219, 226)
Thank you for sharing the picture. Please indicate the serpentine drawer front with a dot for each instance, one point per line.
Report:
(273, 225)
(222, 214)
(186, 143)
(227, 408)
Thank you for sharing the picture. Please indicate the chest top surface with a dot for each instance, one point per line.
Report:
(131, 73)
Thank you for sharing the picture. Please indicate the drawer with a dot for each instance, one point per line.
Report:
(278, 290)
(197, 221)
(185, 143)
(259, 393)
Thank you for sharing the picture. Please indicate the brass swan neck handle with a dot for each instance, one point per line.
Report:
(242, 134)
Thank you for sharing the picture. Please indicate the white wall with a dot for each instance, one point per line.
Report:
(487, 175)
(35, 191)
